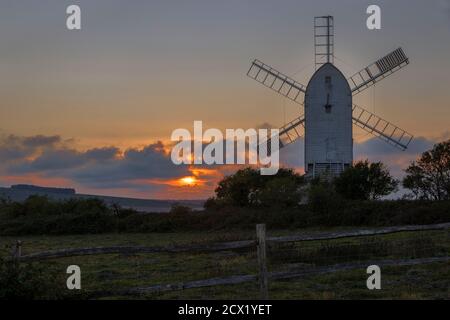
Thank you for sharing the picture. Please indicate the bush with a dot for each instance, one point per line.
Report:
(215, 204)
(429, 177)
(325, 208)
(29, 281)
(42, 206)
(248, 188)
(324, 203)
(365, 181)
(179, 209)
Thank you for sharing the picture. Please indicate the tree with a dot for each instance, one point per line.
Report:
(248, 188)
(323, 198)
(239, 189)
(428, 178)
(365, 181)
(282, 192)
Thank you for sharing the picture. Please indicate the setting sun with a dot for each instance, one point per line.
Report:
(188, 181)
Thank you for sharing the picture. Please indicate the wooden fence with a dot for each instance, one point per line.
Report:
(260, 243)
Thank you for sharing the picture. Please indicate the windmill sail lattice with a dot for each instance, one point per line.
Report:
(323, 40)
(381, 128)
(371, 123)
(291, 131)
(276, 81)
(378, 70)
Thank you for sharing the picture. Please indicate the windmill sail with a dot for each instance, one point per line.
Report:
(323, 40)
(289, 133)
(276, 81)
(381, 128)
(378, 70)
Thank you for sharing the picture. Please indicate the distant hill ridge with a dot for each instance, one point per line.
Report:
(29, 187)
(20, 192)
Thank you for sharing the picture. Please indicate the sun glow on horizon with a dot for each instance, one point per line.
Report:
(188, 181)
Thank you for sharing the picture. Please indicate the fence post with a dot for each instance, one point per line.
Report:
(261, 249)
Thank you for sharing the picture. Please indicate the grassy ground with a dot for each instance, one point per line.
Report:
(107, 272)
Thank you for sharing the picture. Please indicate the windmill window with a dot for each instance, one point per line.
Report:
(328, 105)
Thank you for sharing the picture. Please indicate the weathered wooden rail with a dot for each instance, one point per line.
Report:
(260, 243)
(238, 279)
(64, 253)
(221, 246)
(359, 233)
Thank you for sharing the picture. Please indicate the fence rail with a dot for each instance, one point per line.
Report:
(238, 279)
(359, 233)
(260, 243)
(221, 246)
(64, 253)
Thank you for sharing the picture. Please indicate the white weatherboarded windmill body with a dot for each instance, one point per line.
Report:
(328, 104)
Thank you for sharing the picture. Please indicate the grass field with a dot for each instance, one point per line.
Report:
(110, 272)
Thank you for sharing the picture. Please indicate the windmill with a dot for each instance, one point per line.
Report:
(329, 111)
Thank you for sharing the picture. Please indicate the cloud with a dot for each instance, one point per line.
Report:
(64, 159)
(293, 154)
(107, 167)
(375, 147)
(149, 171)
(264, 125)
(136, 164)
(15, 148)
(41, 141)
(396, 160)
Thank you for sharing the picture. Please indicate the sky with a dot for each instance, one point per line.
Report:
(94, 109)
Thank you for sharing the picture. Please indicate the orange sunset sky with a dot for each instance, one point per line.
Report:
(94, 109)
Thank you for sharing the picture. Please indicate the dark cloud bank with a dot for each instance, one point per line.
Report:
(108, 167)
(98, 167)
